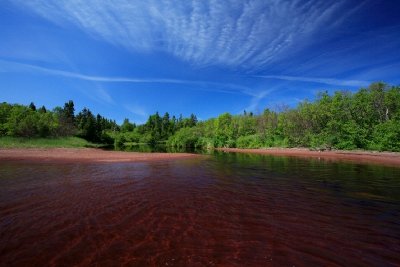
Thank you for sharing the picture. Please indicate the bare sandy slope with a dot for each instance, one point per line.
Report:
(86, 155)
(382, 158)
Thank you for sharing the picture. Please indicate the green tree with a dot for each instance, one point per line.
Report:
(5, 112)
(32, 106)
(42, 109)
(127, 126)
(224, 134)
(166, 127)
(86, 123)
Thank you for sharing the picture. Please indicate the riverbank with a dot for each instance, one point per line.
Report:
(370, 157)
(85, 155)
(98, 155)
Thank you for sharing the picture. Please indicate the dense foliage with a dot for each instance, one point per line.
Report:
(28, 121)
(368, 119)
(157, 129)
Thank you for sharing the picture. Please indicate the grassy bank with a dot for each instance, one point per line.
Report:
(62, 142)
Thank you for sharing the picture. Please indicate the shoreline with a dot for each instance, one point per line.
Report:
(97, 155)
(86, 155)
(366, 157)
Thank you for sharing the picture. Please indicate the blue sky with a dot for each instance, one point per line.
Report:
(129, 59)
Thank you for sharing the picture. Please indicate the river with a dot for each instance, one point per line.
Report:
(225, 209)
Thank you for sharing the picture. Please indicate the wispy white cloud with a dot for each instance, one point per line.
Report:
(329, 81)
(98, 94)
(232, 33)
(104, 95)
(255, 100)
(230, 88)
(136, 110)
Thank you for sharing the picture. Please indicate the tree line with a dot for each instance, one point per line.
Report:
(28, 121)
(367, 119)
(157, 129)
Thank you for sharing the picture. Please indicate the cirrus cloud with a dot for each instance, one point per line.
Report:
(245, 34)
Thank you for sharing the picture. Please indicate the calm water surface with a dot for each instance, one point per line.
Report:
(221, 210)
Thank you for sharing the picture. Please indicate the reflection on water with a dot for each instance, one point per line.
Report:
(229, 209)
(159, 148)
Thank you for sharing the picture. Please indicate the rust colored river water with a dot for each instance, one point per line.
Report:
(225, 210)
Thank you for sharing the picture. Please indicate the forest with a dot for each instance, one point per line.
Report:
(367, 119)
(30, 122)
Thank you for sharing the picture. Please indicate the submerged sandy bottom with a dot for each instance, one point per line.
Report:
(231, 209)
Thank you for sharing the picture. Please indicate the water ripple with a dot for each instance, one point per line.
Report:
(230, 211)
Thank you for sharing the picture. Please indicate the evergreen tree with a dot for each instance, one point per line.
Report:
(42, 109)
(127, 126)
(32, 106)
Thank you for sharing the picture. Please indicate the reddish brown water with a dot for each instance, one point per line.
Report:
(227, 210)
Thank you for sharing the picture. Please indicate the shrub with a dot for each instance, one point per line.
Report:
(386, 136)
(184, 138)
(249, 141)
